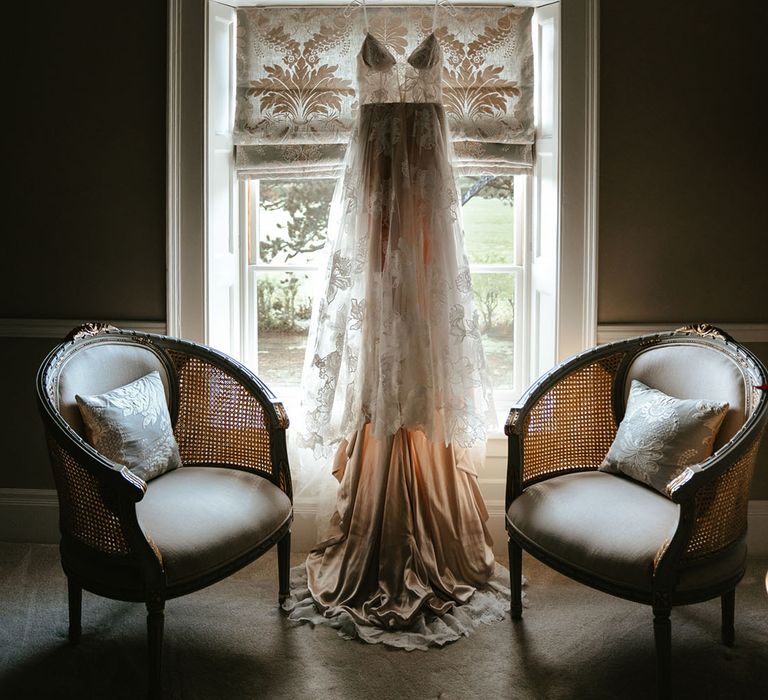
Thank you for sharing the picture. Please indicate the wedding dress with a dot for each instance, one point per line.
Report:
(395, 379)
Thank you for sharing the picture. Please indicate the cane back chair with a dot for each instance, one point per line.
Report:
(610, 532)
(228, 503)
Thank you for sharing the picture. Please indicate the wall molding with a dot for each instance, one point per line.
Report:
(757, 523)
(59, 327)
(742, 332)
(579, 77)
(186, 167)
(173, 168)
(591, 172)
(32, 515)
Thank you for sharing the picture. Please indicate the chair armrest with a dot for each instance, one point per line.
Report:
(695, 477)
(97, 497)
(565, 422)
(227, 416)
(719, 489)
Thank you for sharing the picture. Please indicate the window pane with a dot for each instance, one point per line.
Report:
(284, 308)
(495, 301)
(488, 214)
(293, 218)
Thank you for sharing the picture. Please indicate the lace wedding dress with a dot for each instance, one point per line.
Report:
(395, 378)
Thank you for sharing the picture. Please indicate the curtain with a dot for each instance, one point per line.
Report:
(296, 100)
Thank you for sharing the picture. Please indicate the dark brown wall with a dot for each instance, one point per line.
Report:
(25, 460)
(683, 195)
(83, 233)
(683, 176)
(85, 224)
(683, 153)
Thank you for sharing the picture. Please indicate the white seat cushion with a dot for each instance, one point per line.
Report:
(203, 518)
(603, 524)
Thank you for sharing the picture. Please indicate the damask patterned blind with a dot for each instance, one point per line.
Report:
(296, 99)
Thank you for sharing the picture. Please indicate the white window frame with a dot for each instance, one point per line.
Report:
(575, 261)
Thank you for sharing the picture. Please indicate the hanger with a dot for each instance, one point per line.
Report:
(354, 4)
(448, 5)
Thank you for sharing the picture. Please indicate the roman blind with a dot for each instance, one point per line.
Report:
(296, 99)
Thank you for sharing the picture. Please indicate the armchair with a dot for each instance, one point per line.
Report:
(228, 503)
(615, 534)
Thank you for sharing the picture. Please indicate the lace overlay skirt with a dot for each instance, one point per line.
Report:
(395, 338)
(396, 381)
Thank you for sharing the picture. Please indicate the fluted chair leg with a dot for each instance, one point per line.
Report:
(515, 578)
(155, 623)
(75, 593)
(662, 633)
(284, 568)
(727, 611)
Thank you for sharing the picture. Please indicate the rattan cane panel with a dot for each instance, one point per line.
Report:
(572, 425)
(219, 421)
(721, 507)
(85, 514)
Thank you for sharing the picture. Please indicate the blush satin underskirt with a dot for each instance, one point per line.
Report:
(409, 535)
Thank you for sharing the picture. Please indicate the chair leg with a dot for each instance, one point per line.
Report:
(284, 568)
(727, 610)
(155, 622)
(75, 609)
(662, 633)
(515, 578)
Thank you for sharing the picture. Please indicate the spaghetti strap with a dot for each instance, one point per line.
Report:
(434, 15)
(354, 4)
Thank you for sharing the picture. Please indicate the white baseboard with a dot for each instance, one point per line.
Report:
(29, 515)
(757, 527)
(32, 515)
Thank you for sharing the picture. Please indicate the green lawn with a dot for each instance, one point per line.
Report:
(488, 230)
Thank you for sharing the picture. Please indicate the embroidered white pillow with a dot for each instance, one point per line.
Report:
(131, 426)
(661, 435)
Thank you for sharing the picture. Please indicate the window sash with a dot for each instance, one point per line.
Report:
(520, 268)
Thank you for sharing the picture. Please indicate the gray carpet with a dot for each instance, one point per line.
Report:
(230, 641)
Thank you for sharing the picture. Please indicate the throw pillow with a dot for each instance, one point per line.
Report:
(661, 435)
(131, 426)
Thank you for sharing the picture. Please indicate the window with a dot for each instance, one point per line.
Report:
(284, 229)
(554, 271)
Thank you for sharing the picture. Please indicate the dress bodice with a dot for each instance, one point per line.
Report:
(383, 79)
